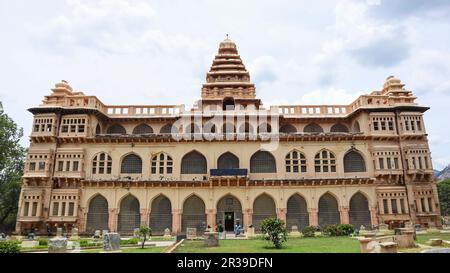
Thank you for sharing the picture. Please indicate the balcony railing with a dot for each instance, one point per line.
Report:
(229, 172)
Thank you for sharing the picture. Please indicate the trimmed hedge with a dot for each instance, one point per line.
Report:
(309, 231)
(9, 246)
(338, 230)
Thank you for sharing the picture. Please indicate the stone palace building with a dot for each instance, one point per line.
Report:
(228, 159)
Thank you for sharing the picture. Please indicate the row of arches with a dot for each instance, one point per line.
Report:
(145, 129)
(195, 162)
(228, 212)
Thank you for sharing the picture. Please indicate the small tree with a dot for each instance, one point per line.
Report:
(144, 232)
(443, 188)
(275, 231)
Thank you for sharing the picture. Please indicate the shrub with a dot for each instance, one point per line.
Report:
(131, 241)
(275, 231)
(330, 230)
(43, 242)
(9, 246)
(309, 231)
(345, 229)
(88, 243)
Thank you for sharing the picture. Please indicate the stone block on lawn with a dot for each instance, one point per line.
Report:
(57, 245)
(211, 239)
(111, 242)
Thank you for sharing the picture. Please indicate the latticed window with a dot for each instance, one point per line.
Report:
(166, 129)
(262, 162)
(129, 215)
(142, 129)
(297, 212)
(328, 210)
(295, 162)
(325, 162)
(162, 164)
(131, 164)
(194, 215)
(116, 129)
(354, 162)
(313, 128)
(102, 164)
(97, 216)
(228, 161)
(193, 163)
(161, 215)
(339, 128)
(359, 213)
(263, 208)
(288, 129)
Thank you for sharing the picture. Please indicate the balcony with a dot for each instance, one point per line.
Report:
(228, 172)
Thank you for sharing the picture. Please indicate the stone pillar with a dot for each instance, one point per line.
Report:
(381, 206)
(373, 216)
(343, 211)
(145, 215)
(113, 217)
(248, 221)
(176, 220)
(82, 220)
(60, 209)
(66, 213)
(211, 218)
(389, 206)
(281, 214)
(313, 217)
(39, 210)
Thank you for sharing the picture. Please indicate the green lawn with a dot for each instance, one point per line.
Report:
(293, 245)
(131, 250)
(423, 238)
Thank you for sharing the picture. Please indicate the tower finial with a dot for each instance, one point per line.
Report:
(227, 35)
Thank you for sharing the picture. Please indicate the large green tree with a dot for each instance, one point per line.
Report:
(12, 158)
(444, 196)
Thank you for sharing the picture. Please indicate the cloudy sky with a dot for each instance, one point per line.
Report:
(157, 52)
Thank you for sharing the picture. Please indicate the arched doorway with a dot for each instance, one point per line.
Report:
(160, 215)
(129, 215)
(229, 212)
(97, 216)
(297, 212)
(263, 208)
(328, 210)
(194, 214)
(359, 211)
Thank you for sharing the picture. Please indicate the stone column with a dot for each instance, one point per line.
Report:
(211, 218)
(381, 206)
(313, 217)
(281, 214)
(344, 215)
(113, 217)
(176, 220)
(66, 213)
(60, 212)
(248, 221)
(82, 220)
(145, 215)
(389, 206)
(373, 216)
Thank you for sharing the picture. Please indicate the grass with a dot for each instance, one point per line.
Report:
(293, 245)
(423, 238)
(131, 250)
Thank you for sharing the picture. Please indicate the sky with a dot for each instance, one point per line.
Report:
(158, 52)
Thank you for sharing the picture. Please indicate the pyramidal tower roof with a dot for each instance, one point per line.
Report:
(228, 76)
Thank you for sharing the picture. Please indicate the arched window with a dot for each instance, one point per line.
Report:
(264, 128)
(288, 129)
(194, 214)
(228, 104)
(325, 162)
(263, 208)
(116, 129)
(192, 129)
(102, 164)
(162, 164)
(142, 129)
(167, 129)
(229, 212)
(297, 212)
(328, 210)
(131, 164)
(98, 129)
(262, 162)
(359, 212)
(228, 128)
(228, 161)
(98, 215)
(246, 128)
(354, 162)
(356, 128)
(160, 215)
(193, 163)
(313, 128)
(339, 128)
(295, 162)
(129, 215)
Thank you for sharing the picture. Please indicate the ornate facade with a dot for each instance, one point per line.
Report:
(229, 159)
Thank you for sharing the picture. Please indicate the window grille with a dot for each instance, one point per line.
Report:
(325, 162)
(55, 209)
(97, 216)
(263, 208)
(328, 210)
(262, 162)
(288, 129)
(142, 129)
(295, 162)
(131, 164)
(193, 163)
(129, 215)
(160, 215)
(228, 161)
(359, 212)
(313, 128)
(116, 129)
(102, 164)
(354, 162)
(161, 164)
(339, 128)
(194, 215)
(297, 212)
(167, 129)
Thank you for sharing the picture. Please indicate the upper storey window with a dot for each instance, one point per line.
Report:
(68, 163)
(387, 160)
(325, 162)
(73, 126)
(142, 129)
(418, 159)
(193, 163)
(102, 164)
(339, 128)
(412, 124)
(295, 162)
(116, 129)
(354, 162)
(313, 128)
(131, 164)
(263, 162)
(39, 162)
(42, 125)
(228, 104)
(162, 164)
(383, 124)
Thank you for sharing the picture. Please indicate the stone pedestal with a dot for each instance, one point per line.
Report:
(294, 231)
(59, 232)
(111, 242)
(405, 239)
(167, 233)
(211, 239)
(388, 247)
(363, 243)
(250, 232)
(191, 233)
(74, 236)
(57, 245)
(435, 242)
